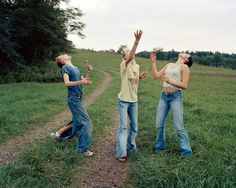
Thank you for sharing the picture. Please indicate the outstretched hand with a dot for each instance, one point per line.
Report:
(153, 57)
(138, 35)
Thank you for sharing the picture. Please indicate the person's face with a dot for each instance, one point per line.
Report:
(126, 54)
(184, 56)
(60, 62)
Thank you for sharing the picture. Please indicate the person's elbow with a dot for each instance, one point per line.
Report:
(155, 77)
(66, 83)
(185, 86)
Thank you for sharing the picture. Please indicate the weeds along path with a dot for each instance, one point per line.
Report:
(11, 150)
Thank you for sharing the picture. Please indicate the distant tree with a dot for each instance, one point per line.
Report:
(8, 47)
(144, 54)
(121, 49)
(172, 54)
(112, 51)
(161, 55)
(217, 59)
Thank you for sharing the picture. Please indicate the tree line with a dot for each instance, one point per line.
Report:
(215, 59)
(32, 32)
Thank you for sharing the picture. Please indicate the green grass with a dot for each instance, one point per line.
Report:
(209, 114)
(27, 104)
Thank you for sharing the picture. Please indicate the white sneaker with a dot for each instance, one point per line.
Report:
(55, 135)
(88, 153)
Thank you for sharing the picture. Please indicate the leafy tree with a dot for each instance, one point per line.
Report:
(121, 49)
(7, 45)
(36, 30)
(216, 59)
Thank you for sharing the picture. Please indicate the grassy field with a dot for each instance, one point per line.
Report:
(209, 114)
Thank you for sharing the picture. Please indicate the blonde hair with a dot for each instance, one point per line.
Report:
(60, 58)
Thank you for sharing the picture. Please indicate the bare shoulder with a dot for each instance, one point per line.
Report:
(172, 65)
(185, 68)
(169, 64)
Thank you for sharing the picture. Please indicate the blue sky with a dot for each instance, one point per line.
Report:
(207, 25)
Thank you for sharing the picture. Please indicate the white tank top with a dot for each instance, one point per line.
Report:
(174, 73)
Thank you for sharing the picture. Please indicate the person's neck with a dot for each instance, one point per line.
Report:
(180, 61)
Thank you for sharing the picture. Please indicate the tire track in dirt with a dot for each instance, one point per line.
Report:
(12, 149)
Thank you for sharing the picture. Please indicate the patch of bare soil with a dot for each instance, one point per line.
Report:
(105, 171)
(11, 150)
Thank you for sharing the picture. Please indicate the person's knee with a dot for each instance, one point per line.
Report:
(179, 127)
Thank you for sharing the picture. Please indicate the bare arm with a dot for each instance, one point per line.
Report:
(67, 82)
(89, 71)
(155, 73)
(183, 84)
(137, 35)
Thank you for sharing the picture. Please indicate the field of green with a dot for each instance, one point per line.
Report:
(209, 114)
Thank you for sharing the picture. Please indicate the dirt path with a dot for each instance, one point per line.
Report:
(11, 150)
(105, 171)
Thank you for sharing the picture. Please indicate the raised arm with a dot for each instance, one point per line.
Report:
(89, 71)
(155, 73)
(137, 35)
(67, 82)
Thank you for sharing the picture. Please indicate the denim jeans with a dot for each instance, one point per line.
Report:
(174, 102)
(82, 124)
(123, 143)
